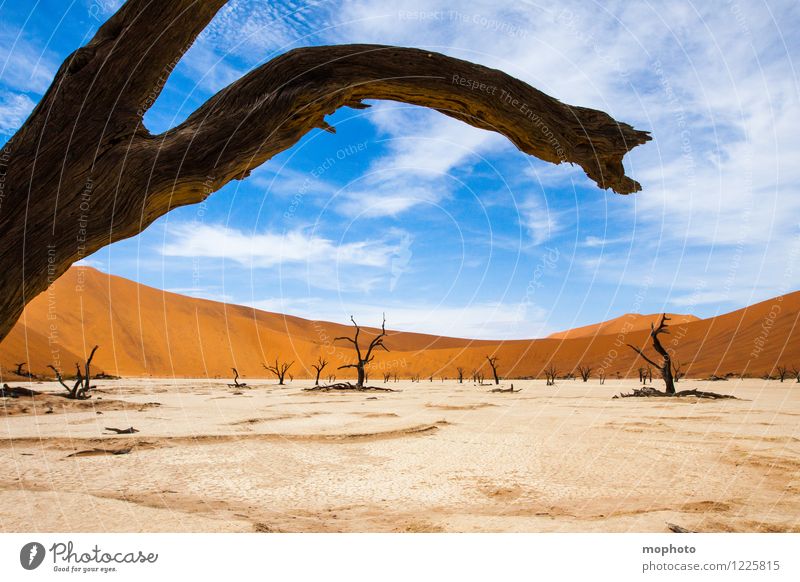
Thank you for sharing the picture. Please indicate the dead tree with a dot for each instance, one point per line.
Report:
(782, 370)
(20, 372)
(386, 376)
(363, 359)
(236, 383)
(130, 177)
(677, 372)
(666, 361)
(642, 374)
(279, 369)
(318, 367)
(79, 390)
(493, 365)
(796, 373)
(602, 376)
(585, 372)
(550, 373)
(460, 372)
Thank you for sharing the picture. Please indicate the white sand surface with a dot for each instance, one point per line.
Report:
(431, 457)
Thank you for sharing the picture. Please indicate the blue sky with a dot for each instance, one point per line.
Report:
(449, 229)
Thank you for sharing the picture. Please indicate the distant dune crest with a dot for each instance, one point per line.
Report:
(622, 324)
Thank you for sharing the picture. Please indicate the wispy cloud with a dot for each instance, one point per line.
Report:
(264, 250)
(14, 109)
(540, 220)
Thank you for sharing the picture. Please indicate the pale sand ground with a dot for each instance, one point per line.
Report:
(434, 457)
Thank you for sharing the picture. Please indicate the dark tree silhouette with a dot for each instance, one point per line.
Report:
(493, 365)
(585, 372)
(319, 366)
(86, 142)
(79, 390)
(782, 371)
(279, 369)
(236, 383)
(460, 372)
(666, 361)
(363, 359)
(677, 370)
(550, 373)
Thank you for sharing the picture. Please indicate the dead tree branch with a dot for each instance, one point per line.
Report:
(67, 149)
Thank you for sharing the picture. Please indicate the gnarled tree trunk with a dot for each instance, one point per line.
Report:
(83, 171)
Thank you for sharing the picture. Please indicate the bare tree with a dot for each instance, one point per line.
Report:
(677, 372)
(493, 365)
(666, 361)
(279, 369)
(550, 373)
(782, 371)
(236, 383)
(133, 177)
(460, 372)
(642, 374)
(796, 373)
(585, 372)
(80, 390)
(20, 372)
(602, 376)
(386, 376)
(319, 366)
(363, 359)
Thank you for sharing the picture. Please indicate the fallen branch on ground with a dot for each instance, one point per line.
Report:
(347, 386)
(129, 430)
(677, 529)
(96, 452)
(506, 389)
(649, 392)
(15, 392)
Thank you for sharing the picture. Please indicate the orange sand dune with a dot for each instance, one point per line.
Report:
(628, 322)
(145, 331)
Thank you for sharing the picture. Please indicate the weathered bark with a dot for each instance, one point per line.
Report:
(83, 171)
(666, 361)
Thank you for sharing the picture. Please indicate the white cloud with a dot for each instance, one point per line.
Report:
(540, 220)
(14, 109)
(264, 250)
(24, 67)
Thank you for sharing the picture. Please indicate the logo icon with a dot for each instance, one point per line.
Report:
(31, 555)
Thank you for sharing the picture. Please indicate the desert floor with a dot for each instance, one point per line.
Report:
(432, 457)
